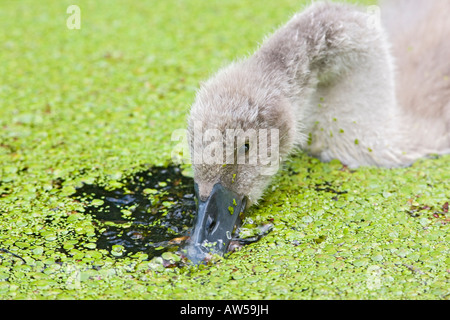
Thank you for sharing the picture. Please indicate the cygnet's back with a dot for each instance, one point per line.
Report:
(419, 32)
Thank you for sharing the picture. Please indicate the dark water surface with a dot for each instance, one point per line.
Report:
(151, 213)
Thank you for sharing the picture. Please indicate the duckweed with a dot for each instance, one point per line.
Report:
(97, 106)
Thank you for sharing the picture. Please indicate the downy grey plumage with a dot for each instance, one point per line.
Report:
(338, 86)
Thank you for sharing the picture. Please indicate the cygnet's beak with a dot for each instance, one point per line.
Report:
(214, 223)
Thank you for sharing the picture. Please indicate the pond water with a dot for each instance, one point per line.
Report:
(151, 212)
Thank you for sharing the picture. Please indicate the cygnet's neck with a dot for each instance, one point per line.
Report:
(335, 68)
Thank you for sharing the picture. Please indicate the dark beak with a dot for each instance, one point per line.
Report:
(214, 223)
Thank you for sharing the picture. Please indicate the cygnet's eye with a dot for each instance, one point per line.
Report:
(244, 149)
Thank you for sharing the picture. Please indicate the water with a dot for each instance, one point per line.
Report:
(151, 213)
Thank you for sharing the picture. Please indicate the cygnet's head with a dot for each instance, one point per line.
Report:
(239, 128)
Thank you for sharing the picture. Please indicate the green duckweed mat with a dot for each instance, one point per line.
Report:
(98, 104)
